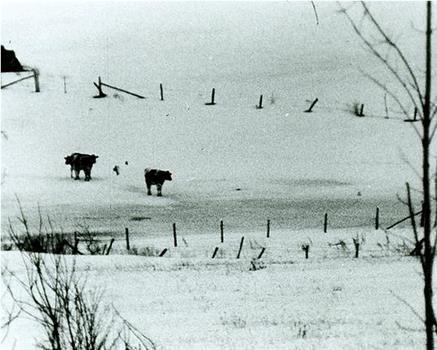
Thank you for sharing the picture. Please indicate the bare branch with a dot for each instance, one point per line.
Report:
(397, 49)
(379, 56)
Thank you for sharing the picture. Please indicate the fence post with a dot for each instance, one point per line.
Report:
(241, 247)
(325, 223)
(99, 88)
(215, 252)
(65, 84)
(175, 239)
(36, 78)
(268, 228)
(76, 243)
(222, 236)
(357, 247)
(306, 249)
(212, 98)
(261, 253)
(260, 105)
(110, 246)
(377, 219)
(162, 92)
(163, 252)
(127, 238)
(309, 110)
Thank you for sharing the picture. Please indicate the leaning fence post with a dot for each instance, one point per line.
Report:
(377, 219)
(162, 92)
(175, 239)
(222, 236)
(241, 247)
(261, 253)
(325, 223)
(110, 246)
(215, 252)
(127, 238)
(99, 88)
(163, 252)
(309, 110)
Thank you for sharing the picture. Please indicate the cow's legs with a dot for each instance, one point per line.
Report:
(71, 171)
(87, 172)
(149, 186)
(76, 172)
(159, 187)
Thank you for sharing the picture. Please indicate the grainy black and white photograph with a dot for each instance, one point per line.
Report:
(218, 175)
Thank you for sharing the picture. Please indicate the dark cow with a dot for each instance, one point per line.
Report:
(80, 161)
(156, 177)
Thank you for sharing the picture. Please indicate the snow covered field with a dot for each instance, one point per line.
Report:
(230, 162)
(187, 300)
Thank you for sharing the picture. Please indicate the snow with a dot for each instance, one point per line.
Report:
(190, 301)
(230, 162)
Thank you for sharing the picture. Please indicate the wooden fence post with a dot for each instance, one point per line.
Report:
(357, 246)
(309, 110)
(361, 114)
(110, 246)
(325, 223)
(241, 247)
(222, 236)
(268, 228)
(260, 105)
(76, 243)
(99, 89)
(306, 249)
(36, 78)
(377, 219)
(162, 92)
(127, 238)
(261, 253)
(212, 98)
(175, 239)
(163, 252)
(65, 84)
(215, 252)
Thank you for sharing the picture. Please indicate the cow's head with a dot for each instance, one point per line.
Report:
(68, 159)
(167, 175)
(93, 158)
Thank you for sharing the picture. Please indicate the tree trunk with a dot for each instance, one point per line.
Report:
(428, 251)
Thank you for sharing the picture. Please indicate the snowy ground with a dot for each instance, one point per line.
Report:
(230, 162)
(190, 301)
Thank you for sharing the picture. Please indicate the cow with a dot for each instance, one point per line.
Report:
(156, 177)
(80, 161)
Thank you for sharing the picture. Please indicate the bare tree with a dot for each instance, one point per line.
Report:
(52, 293)
(408, 86)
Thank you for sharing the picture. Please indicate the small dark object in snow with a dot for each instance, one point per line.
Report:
(126, 163)
(238, 189)
(359, 194)
(140, 218)
(116, 170)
